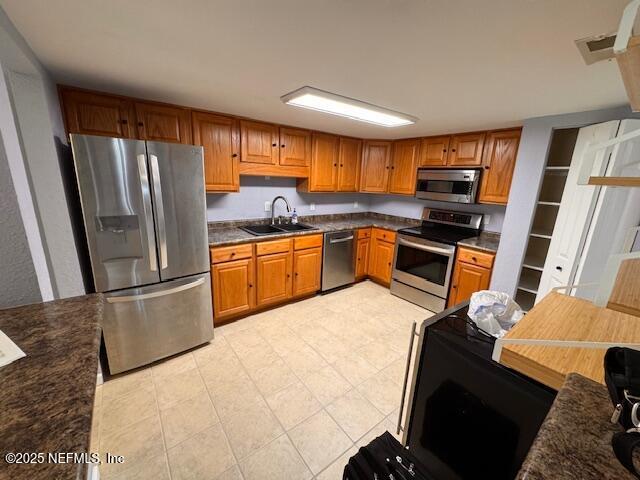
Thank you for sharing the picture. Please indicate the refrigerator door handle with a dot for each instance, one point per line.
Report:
(146, 205)
(157, 197)
(162, 293)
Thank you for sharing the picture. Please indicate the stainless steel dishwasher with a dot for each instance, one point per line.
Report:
(338, 265)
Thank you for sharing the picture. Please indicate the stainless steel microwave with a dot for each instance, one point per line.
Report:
(459, 186)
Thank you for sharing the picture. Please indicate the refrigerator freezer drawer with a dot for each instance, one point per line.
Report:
(145, 324)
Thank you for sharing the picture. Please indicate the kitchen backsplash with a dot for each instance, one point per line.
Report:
(249, 203)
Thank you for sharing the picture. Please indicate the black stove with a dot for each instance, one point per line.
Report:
(446, 226)
(440, 233)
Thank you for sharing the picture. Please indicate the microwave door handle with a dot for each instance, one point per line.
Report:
(157, 197)
(428, 248)
(147, 209)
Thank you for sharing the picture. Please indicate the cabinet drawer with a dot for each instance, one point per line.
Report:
(275, 246)
(234, 252)
(307, 241)
(364, 233)
(474, 257)
(384, 235)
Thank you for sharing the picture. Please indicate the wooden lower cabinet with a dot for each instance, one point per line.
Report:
(362, 257)
(471, 273)
(233, 287)
(274, 282)
(381, 252)
(307, 265)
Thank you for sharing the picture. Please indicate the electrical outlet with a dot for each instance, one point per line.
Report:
(267, 206)
(486, 219)
(355, 204)
(312, 206)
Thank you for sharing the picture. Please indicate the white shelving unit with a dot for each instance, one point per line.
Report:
(553, 183)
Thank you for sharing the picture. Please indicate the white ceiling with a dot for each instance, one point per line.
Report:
(455, 64)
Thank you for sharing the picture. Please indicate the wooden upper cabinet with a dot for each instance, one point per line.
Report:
(307, 265)
(324, 163)
(434, 151)
(499, 162)
(349, 158)
(96, 114)
(259, 142)
(404, 167)
(374, 175)
(220, 138)
(295, 147)
(163, 123)
(465, 150)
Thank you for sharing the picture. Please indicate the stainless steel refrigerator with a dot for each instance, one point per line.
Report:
(144, 211)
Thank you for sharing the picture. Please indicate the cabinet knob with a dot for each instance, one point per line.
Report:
(140, 124)
(296, 274)
(453, 149)
(234, 155)
(486, 167)
(342, 164)
(389, 264)
(559, 268)
(474, 259)
(251, 285)
(387, 167)
(454, 286)
(335, 164)
(124, 122)
(282, 145)
(393, 168)
(444, 150)
(233, 253)
(274, 144)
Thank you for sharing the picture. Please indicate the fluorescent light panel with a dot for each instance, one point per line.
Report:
(314, 99)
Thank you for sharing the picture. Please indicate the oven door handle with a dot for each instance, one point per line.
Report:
(406, 379)
(429, 248)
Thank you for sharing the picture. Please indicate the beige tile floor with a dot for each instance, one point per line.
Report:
(290, 393)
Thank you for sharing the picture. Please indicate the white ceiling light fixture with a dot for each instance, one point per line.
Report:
(315, 99)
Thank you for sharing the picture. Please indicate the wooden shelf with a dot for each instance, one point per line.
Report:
(615, 181)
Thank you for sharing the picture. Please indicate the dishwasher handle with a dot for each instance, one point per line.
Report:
(340, 240)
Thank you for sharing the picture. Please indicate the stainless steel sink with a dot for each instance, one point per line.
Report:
(263, 229)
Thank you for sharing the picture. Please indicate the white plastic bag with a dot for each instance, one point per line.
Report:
(494, 312)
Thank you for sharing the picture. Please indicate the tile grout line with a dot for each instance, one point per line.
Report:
(164, 441)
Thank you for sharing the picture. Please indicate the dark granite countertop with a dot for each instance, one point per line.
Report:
(486, 241)
(229, 233)
(574, 442)
(46, 398)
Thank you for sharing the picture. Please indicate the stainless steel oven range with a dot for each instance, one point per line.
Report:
(424, 255)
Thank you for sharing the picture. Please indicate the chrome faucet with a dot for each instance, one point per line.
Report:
(273, 204)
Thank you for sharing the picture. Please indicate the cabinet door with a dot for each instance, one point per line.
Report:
(374, 176)
(380, 259)
(95, 114)
(324, 163)
(349, 158)
(259, 142)
(467, 279)
(362, 257)
(434, 151)
(295, 147)
(233, 287)
(221, 141)
(163, 123)
(274, 278)
(466, 150)
(404, 167)
(306, 271)
(499, 161)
